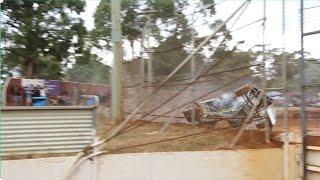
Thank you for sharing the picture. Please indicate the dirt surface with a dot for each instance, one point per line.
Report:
(312, 123)
(217, 138)
(149, 138)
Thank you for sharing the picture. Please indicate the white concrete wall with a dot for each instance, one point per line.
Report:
(262, 164)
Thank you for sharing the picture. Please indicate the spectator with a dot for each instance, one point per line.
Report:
(42, 92)
(36, 92)
(64, 100)
(17, 92)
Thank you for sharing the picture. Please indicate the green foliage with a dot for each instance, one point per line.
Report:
(102, 21)
(130, 25)
(313, 72)
(166, 8)
(232, 60)
(89, 70)
(102, 18)
(94, 72)
(38, 34)
(169, 54)
(235, 59)
(49, 67)
(134, 16)
(274, 74)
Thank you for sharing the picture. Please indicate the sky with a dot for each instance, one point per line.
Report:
(252, 35)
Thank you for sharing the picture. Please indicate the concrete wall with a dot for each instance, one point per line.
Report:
(261, 164)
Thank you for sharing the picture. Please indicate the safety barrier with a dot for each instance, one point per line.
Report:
(56, 129)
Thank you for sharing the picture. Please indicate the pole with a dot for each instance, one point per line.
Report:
(116, 90)
(193, 73)
(149, 62)
(146, 34)
(302, 89)
(142, 70)
(264, 79)
(246, 120)
(3, 99)
(192, 92)
(285, 92)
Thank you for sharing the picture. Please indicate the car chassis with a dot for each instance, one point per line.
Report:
(235, 110)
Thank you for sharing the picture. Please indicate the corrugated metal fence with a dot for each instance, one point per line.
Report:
(29, 130)
(313, 156)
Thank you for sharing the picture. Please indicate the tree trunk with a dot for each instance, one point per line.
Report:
(132, 48)
(30, 68)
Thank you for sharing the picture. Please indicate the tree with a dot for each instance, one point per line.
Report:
(293, 75)
(168, 55)
(41, 36)
(135, 14)
(89, 69)
(101, 34)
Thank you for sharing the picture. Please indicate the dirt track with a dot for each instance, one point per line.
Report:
(219, 139)
(216, 139)
(313, 120)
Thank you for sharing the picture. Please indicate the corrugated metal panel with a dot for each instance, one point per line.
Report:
(313, 161)
(28, 130)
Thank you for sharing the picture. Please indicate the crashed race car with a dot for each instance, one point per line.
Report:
(233, 107)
